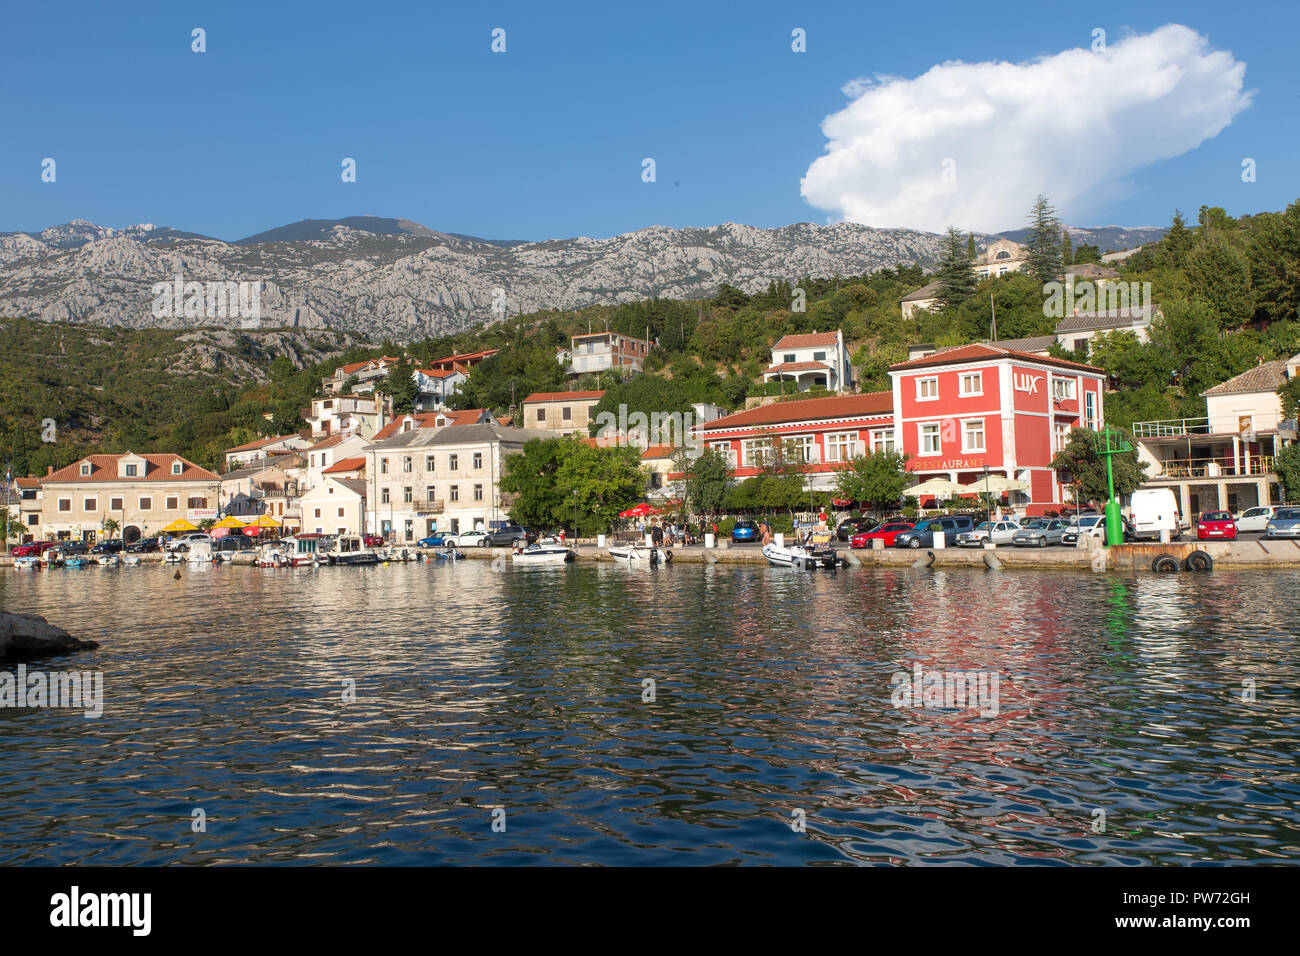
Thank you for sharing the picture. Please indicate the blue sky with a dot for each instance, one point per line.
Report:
(547, 139)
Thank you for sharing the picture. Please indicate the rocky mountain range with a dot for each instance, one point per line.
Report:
(395, 278)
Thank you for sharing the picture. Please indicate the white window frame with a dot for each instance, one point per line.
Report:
(962, 391)
(966, 447)
(1064, 389)
(751, 445)
(922, 381)
(807, 445)
(840, 446)
(1060, 436)
(920, 439)
(1090, 410)
(882, 439)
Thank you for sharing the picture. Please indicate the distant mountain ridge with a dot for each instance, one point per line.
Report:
(385, 277)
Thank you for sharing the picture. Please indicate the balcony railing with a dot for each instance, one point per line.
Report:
(434, 507)
(1171, 428)
(1214, 468)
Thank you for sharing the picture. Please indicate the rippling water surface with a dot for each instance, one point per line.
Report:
(523, 691)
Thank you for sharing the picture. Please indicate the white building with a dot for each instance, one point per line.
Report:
(335, 506)
(348, 414)
(817, 358)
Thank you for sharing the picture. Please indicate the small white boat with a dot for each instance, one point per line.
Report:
(108, 560)
(274, 554)
(173, 557)
(29, 563)
(200, 552)
(542, 555)
(351, 549)
(805, 557)
(640, 555)
(131, 560)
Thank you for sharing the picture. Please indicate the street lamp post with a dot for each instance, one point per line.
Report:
(575, 517)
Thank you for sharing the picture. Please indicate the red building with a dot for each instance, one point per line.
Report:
(827, 431)
(981, 409)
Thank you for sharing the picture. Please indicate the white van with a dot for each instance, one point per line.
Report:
(1153, 510)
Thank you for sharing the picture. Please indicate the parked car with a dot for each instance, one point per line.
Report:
(1153, 510)
(372, 540)
(887, 532)
(33, 549)
(850, 527)
(1285, 523)
(1039, 533)
(143, 546)
(744, 531)
(436, 540)
(1255, 519)
(1094, 524)
(508, 536)
(233, 543)
(467, 539)
(1216, 524)
(922, 536)
(999, 532)
(111, 546)
(175, 543)
(73, 547)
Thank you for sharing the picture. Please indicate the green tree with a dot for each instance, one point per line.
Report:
(1219, 271)
(1043, 244)
(1289, 392)
(530, 476)
(1087, 469)
(877, 479)
(706, 479)
(1087, 252)
(1287, 468)
(1067, 249)
(400, 386)
(607, 481)
(1177, 242)
(956, 281)
(971, 251)
(649, 395)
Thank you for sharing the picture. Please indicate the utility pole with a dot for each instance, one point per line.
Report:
(993, 328)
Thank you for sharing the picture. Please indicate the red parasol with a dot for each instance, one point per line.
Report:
(640, 511)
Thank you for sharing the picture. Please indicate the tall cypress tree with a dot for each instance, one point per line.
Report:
(970, 246)
(1043, 245)
(956, 280)
(1067, 249)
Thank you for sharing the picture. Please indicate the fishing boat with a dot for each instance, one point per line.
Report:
(639, 554)
(131, 560)
(303, 550)
(542, 555)
(200, 552)
(816, 551)
(273, 554)
(351, 549)
(108, 560)
(75, 561)
(448, 554)
(30, 563)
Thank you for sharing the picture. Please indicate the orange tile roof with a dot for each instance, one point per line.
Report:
(326, 443)
(250, 446)
(563, 396)
(347, 464)
(867, 405)
(980, 352)
(806, 341)
(157, 468)
(422, 420)
(659, 451)
(437, 372)
(797, 367)
(28, 482)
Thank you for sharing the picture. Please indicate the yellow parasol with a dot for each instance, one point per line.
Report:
(180, 524)
(230, 521)
(264, 521)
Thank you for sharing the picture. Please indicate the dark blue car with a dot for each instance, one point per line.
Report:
(433, 541)
(744, 531)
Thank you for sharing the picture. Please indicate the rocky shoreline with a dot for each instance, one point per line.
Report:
(28, 636)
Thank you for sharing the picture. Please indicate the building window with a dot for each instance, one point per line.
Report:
(790, 357)
(566, 413)
(840, 447)
(930, 438)
(1061, 438)
(85, 468)
(819, 356)
(1090, 410)
(478, 459)
(541, 414)
(317, 512)
(115, 504)
(65, 504)
(1063, 389)
(406, 464)
(173, 504)
(146, 504)
(197, 503)
(406, 495)
(131, 470)
(972, 435)
(972, 383)
(89, 504)
(454, 493)
(429, 462)
(453, 462)
(340, 512)
(383, 466)
(33, 520)
(1245, 423)
(754, 452)
(927, 389)
(429, 494)
(882, 440)
(385, 496)
(804, 447)
(176, 468)
(478, 492)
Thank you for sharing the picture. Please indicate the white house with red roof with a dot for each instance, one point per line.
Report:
(816, 358)
(243, 455)
(433, 386)
(366, 373)
(982, 409)
(828, 432)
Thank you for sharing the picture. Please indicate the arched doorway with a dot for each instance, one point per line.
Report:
(130, 534)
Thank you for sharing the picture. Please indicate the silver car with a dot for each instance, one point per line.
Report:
(1039, 534)
(999, 532)
(1285, 523)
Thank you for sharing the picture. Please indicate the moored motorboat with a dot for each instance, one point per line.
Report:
(351, 549)
(28, 563)
(131, 560)
(542, 555)
(807, 556)
(108, 560)
(640, 555)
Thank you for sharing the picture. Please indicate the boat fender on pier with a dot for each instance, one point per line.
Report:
(1198, 561)
(991, 562)
(1165, 564)
(925, 561)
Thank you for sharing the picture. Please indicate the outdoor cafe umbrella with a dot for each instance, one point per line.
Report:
(179, 525)
(230, 521)
(640, 511)
(936, 487)
(993, 485)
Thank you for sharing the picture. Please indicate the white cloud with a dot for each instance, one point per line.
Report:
(1071, 126)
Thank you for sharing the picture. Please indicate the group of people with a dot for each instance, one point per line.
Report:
(667, 534)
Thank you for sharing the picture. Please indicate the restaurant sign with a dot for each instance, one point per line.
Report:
(948, 464)
(199, 514)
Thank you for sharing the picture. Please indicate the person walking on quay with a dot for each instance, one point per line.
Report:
(766, 538)
(657, 536)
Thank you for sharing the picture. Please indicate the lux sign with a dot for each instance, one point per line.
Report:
(1024, 382)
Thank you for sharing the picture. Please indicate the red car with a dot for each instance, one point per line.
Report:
(887, 531)
(1216, 524)
(32, 548)
(373, 541)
